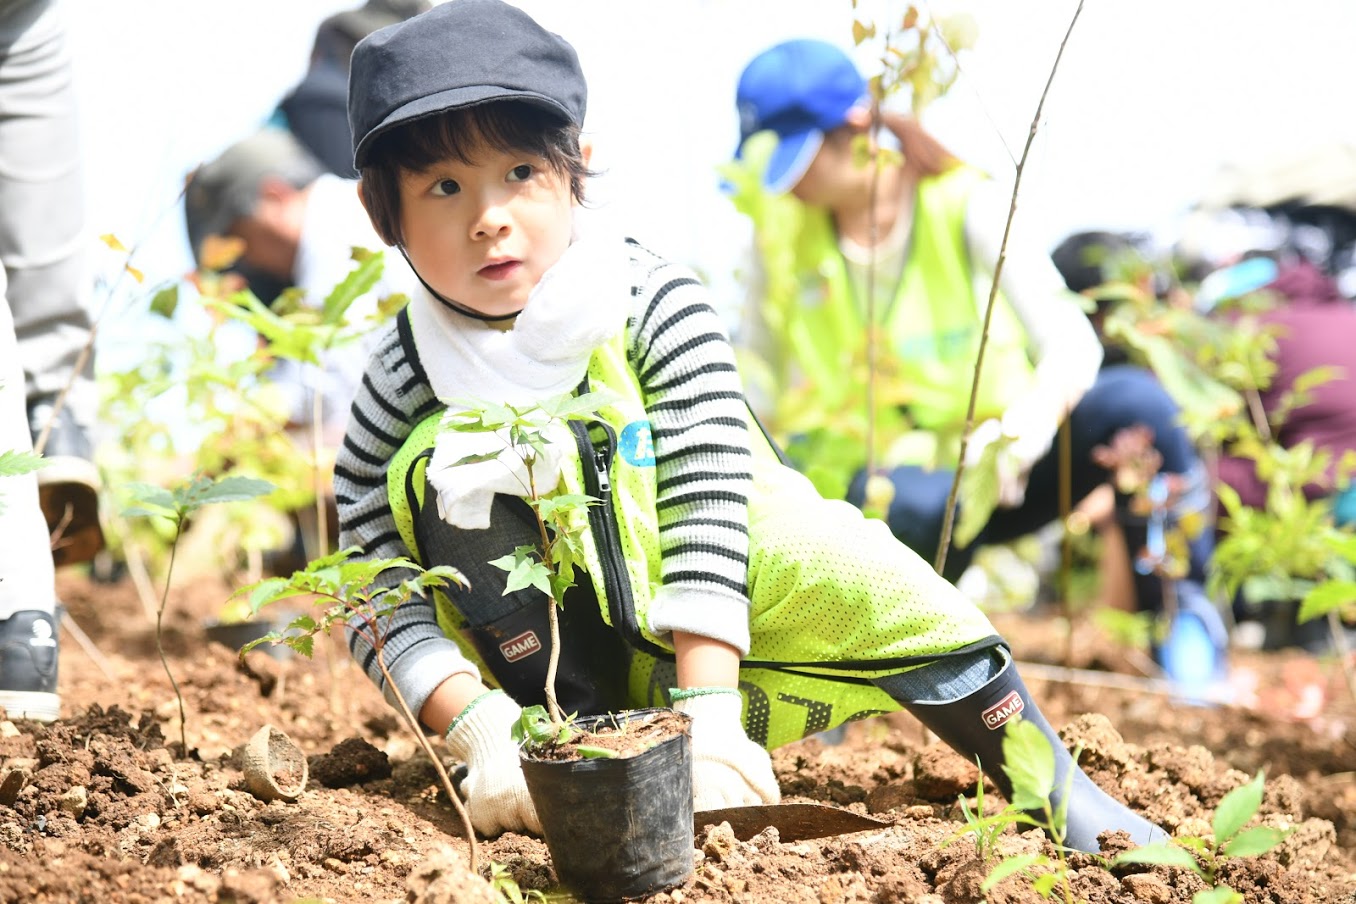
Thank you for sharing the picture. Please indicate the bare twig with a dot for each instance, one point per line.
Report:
(141, 578)
(960, 70)
(1065, 540)
(1092, 678)
(160, 647)
(82, 640)
(950, 514)
(448, 789)
(1339, 642)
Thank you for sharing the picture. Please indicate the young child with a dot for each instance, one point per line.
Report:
(718, 581)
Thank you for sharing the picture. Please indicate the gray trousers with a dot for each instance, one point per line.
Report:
(44, 323)
(42, 205)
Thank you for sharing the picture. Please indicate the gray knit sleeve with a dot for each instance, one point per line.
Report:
(393, 398)
(685, 365)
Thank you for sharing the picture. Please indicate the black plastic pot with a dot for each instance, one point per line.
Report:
(617, 828)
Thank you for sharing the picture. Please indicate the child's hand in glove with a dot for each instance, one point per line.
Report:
(496, 792)
(728, 770)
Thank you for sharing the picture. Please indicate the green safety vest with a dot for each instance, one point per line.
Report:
(930, 329)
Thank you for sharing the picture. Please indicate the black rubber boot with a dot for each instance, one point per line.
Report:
(974, 726)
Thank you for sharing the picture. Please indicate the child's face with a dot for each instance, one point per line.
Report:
(483, 234)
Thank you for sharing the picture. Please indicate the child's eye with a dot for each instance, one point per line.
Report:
(446, 187)
(520, 173)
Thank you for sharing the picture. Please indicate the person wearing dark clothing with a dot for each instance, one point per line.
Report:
(316, 110)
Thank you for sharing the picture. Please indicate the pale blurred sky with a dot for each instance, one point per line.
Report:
(1152, 97)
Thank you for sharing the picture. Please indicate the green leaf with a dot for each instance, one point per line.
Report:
(267, 591)
(1237, 807)
(978, 496)
(155, 500)
(1254, 841)
(1325, 598)
(359, 281)
(1159, 854)
(1221, 894)
(528, 573)
(13, 463)
(269, 638)
(165, 301)
(1044, 884)
(589, 752)
(478, 458)
(1316, 377)
(1029, 761)
(235, 489)
(1010, 867)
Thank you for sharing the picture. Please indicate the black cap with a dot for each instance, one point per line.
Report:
(459, 54)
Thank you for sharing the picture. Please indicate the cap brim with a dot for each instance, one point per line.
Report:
(446, 101)
(789, 161)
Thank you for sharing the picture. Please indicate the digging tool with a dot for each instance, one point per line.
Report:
(793, 822)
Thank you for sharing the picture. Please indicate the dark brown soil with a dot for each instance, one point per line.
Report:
(97, 807)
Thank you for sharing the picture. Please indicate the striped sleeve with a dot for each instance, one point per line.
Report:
(394, 397)
(685, 365)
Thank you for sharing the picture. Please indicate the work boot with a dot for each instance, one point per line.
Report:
(68, 485)
(28, 666)
(974, 726)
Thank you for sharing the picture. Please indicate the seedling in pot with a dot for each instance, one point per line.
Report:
(549, 566)
(638, 802)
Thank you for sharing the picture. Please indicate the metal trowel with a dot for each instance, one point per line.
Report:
(793, 822)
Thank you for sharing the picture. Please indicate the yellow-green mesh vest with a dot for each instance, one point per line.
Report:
(835, 598)
(632, 478)
(931, 327)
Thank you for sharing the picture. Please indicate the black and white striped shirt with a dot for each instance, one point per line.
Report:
(677, 347)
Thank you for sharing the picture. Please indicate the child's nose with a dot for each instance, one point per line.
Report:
(493, 220)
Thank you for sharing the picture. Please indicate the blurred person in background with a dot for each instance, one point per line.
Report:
(939, 224)
(299, 225)
(1237, 252)
(316, 110)
(46, 385)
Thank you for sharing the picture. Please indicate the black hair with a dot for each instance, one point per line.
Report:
(459, 135)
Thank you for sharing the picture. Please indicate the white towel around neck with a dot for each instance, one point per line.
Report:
(579, 304)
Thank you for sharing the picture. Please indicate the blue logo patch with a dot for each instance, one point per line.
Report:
(635, 444)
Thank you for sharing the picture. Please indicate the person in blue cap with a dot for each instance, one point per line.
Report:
(716, 579)
(923, 233)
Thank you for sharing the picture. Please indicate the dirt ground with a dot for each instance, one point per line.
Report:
(96, 807)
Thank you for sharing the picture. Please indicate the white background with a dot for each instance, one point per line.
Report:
(1151, 98)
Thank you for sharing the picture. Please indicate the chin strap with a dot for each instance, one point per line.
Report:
(449, 303)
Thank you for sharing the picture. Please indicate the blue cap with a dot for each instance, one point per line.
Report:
(798, 89)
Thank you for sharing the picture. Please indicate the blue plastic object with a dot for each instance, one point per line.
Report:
(1344, 509)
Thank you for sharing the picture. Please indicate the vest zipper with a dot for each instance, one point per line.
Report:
(603, 521)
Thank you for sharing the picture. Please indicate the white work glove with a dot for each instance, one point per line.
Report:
(728, 770)
(496, 792)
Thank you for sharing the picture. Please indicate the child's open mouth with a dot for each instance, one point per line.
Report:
(501, 270)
